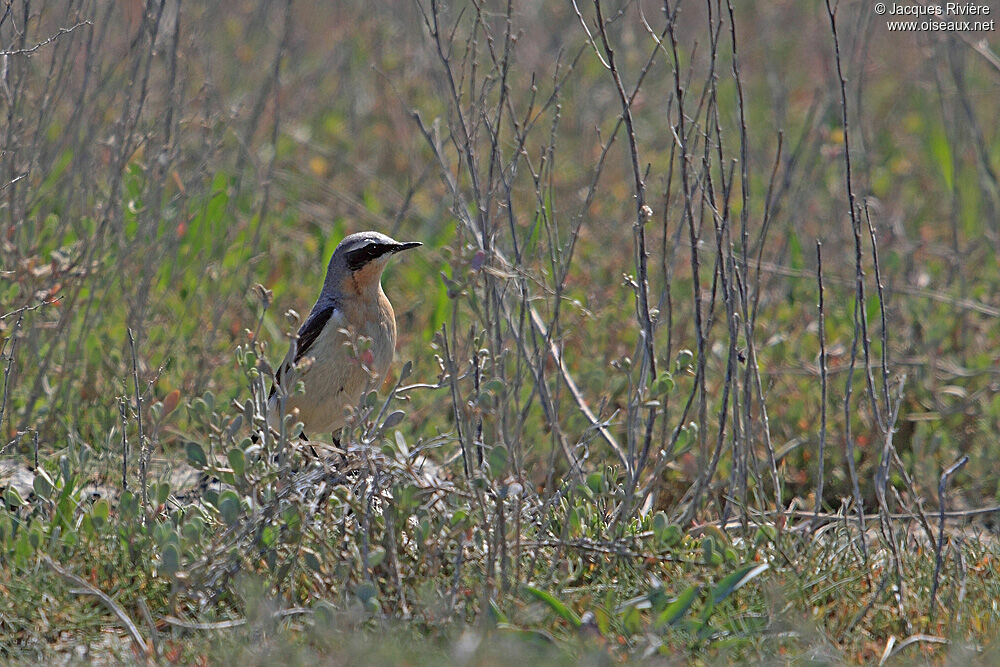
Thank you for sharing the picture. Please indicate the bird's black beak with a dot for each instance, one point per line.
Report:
(400, 247)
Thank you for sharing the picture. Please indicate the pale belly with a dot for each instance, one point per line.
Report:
(336, 379)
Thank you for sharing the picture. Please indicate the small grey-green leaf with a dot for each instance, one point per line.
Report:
(196, 455)
(229, 506)
(128, 504)
(14, 498)
(660, 523)
(664, 384)
(671, 535)
(162, 492)
(42, 484)
(170, 559)
(237, 461)
(101, 512)
(575, 525)
(595, 481)
(401, 444)
(393, 419)
(234, 426)
(66, 472)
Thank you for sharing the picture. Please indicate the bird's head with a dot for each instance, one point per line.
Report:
(359, 259)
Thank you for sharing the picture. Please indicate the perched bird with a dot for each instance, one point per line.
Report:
(351, 299)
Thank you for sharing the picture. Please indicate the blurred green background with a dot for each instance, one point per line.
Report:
(151, 188)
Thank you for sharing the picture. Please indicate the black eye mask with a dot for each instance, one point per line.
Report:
(366, 253)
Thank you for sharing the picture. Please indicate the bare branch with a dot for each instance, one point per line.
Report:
(45, 42)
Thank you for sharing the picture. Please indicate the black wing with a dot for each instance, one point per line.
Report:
(308, 334)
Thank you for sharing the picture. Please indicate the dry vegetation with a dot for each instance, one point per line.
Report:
(700, 360)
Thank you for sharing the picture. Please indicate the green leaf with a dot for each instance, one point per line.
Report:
(162, 492)
(196, 455)
(87, 525)
(393, 419)
(575, 525)
(496, 614)
(940, 150)
(764, 534)
(163, 532)
(35, 536)
(672, 535)
(13, 497)
(736, 580)
(237, 461)
(170, 559)
(191, 530)
(595, 481)
(708, 552)
(632, 619)
(660, 523)
(603, 621)
(229, 506)
(67, 476)
(292, 519)
(128, 504)
(401, 444)
(234, 426)
(43, 484)
(312, 560)
(795, 251)
(100, 512)
(498, 460)
(676, 609)
(664, 384)
(554, 603)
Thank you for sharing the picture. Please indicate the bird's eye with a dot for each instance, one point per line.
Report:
(360, 256)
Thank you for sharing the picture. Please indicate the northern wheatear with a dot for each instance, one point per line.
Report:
(352, 299)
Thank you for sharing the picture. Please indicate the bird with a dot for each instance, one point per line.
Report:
(352, 299)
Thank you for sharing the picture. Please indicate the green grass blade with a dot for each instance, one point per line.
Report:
(735, 580)
(676, 609)
(554, 603)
